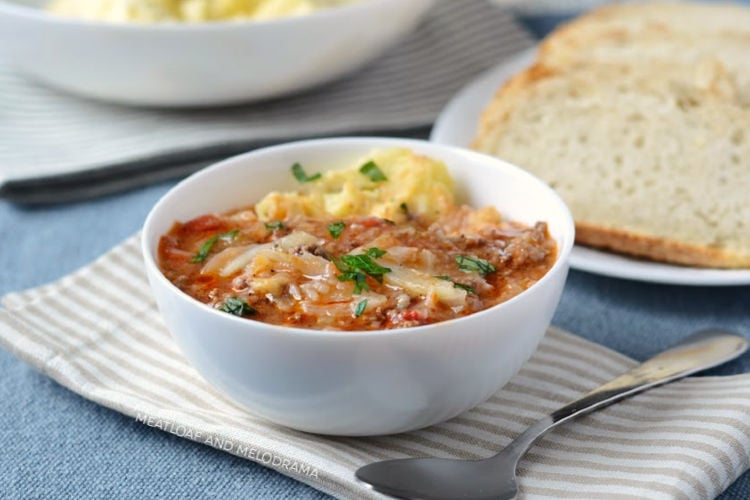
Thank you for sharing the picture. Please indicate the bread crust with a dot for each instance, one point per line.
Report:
(657, 249)
(567, 35)
(562, 47)
(502, 104)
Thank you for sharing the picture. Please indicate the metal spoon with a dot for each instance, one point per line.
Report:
(495, 477)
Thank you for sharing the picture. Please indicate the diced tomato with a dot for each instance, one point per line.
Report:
(168, 242)
(203, 223)
(372, 222)
(176, 255)
(411, 315)
(206, 280)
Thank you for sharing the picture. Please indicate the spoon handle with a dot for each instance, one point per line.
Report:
(700, 351)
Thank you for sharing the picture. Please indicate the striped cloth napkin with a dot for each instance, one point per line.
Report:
(98, 333)
(56, 147)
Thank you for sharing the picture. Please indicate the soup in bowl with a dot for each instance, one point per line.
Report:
(358, 286)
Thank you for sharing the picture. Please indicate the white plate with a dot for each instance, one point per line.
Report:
(457, 126)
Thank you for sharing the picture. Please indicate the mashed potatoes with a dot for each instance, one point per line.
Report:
(412, 184)
(152, 11)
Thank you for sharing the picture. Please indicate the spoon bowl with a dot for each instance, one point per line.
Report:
(444, 478)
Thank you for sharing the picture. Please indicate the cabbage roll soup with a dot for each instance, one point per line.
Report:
(376, 246)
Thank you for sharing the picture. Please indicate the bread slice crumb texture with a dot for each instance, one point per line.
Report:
(654, 152)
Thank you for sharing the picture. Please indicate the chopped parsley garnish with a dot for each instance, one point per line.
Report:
(474, 264)
(237, 306)
(272, 226)
(365, 264)
(356, 268)
(371, 170)
(336, 228)
(209, 244)
(375, 253)
(301, 176)
(404, 208)
(360, 308)
(466, 288)
(359, 279)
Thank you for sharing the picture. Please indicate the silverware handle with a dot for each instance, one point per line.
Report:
(703, 350)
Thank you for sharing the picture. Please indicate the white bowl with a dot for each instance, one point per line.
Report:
(200, 64)
(359, 383)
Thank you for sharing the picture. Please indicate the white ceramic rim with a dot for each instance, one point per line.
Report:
(41, 14)
(563, 254)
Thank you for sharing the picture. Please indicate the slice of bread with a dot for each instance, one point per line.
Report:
(639, 116)
(652, 158)
(620, 24)
(674, 32)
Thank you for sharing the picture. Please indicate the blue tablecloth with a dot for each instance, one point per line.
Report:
(55, 444)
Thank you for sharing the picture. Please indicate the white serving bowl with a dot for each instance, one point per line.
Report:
(359, 383)
(200, 64)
